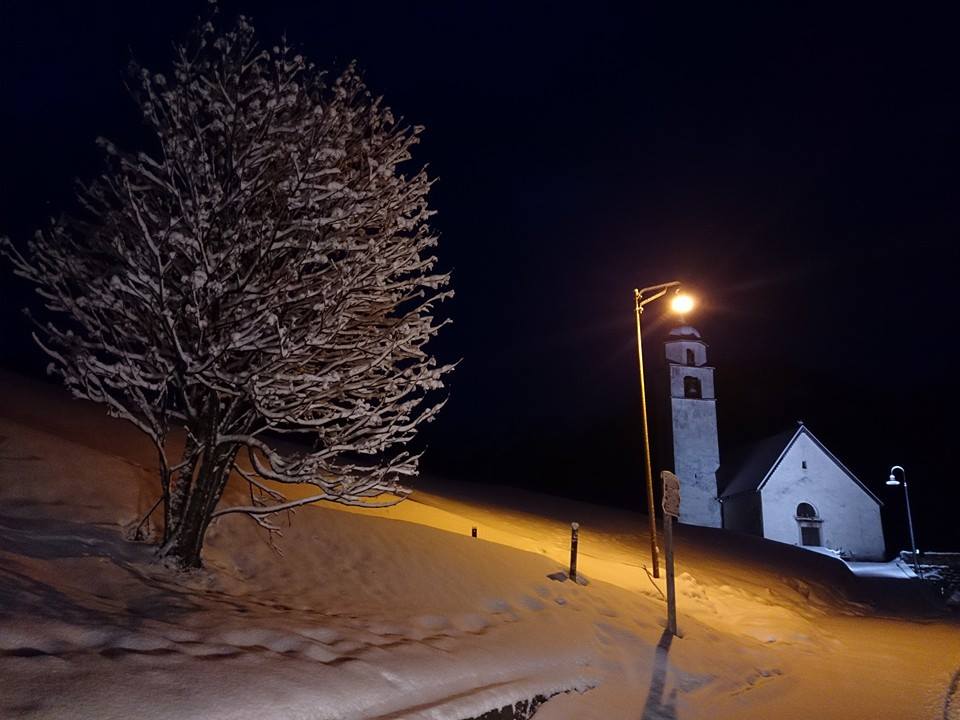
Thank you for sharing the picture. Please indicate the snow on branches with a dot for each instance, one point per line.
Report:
(267, 271)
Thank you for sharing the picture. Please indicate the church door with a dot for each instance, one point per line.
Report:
(810, 522)
(810, 535)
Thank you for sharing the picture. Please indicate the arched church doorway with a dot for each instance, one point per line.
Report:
(810, 523)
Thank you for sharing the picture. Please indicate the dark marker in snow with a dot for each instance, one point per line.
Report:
(574, 539)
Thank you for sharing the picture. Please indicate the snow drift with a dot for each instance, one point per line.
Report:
(400, 613)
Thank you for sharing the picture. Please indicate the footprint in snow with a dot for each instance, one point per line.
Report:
(431, 622)
(208, 650)
(497, 606)
(471, 623)
(759, 677)
(531, 603)
(320, 653)
(324, 635)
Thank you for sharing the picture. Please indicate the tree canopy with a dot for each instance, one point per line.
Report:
(265, 273)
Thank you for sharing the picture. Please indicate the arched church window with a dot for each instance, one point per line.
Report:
(809, 522)
(691, 358)
(691, 387)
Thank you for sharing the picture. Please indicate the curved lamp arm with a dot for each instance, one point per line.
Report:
(659, 290)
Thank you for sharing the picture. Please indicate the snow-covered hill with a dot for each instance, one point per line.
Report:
(400, 613)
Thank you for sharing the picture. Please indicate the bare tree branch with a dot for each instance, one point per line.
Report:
(268, 272)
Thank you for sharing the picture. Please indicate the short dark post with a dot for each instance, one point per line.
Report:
(574, 539)
(473, 531)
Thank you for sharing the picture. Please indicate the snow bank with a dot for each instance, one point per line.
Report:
(401, 613)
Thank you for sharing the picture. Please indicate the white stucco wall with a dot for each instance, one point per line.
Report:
(696, 459)
(703, 374)
(676, 351)
(851, 518)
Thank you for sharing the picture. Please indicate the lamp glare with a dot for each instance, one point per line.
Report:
(682, 304)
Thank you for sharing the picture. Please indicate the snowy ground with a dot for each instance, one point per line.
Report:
(400, 613)
(895, 568)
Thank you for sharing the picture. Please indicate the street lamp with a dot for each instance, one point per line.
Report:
(681, 304)
(892, 481)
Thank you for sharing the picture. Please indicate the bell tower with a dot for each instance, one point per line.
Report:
(693, 411)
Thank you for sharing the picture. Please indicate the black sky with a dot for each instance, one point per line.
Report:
(798, 167)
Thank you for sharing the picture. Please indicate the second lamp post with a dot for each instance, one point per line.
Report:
(892, 480)
(681, 304)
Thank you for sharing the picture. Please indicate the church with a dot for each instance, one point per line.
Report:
(789, 488)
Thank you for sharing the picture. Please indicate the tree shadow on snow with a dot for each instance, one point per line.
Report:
(54, 539)
(25, 590)
(656, 707)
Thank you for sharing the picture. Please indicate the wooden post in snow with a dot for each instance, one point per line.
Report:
(671, 510)
(574, 539)
(671, 590)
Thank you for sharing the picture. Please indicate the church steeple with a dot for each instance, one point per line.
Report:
(693, 409)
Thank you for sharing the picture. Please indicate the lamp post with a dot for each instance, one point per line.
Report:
(681, 304)
(892, 481)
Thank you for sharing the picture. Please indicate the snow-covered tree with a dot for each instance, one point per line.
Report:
(263, 274)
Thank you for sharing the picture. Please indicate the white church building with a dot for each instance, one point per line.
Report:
(789, 488)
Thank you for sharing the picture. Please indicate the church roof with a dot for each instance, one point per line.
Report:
(749, 470)
(748, 467)
(685, 332)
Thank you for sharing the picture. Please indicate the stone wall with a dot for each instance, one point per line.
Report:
(940, 568)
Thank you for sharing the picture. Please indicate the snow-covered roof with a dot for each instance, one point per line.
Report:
(749, 470)
(685, 332)
(746, 468)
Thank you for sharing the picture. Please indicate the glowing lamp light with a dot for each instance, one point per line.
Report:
(892, 480)
(682, 304)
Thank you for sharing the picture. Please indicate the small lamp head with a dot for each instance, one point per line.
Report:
(892, 480)
(682, 303)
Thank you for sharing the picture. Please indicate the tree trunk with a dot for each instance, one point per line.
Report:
(185, 539)
(181, 483)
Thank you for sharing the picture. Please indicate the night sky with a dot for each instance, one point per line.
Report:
(799, 170)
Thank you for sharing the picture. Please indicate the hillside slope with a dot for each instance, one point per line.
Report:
(400, 613)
